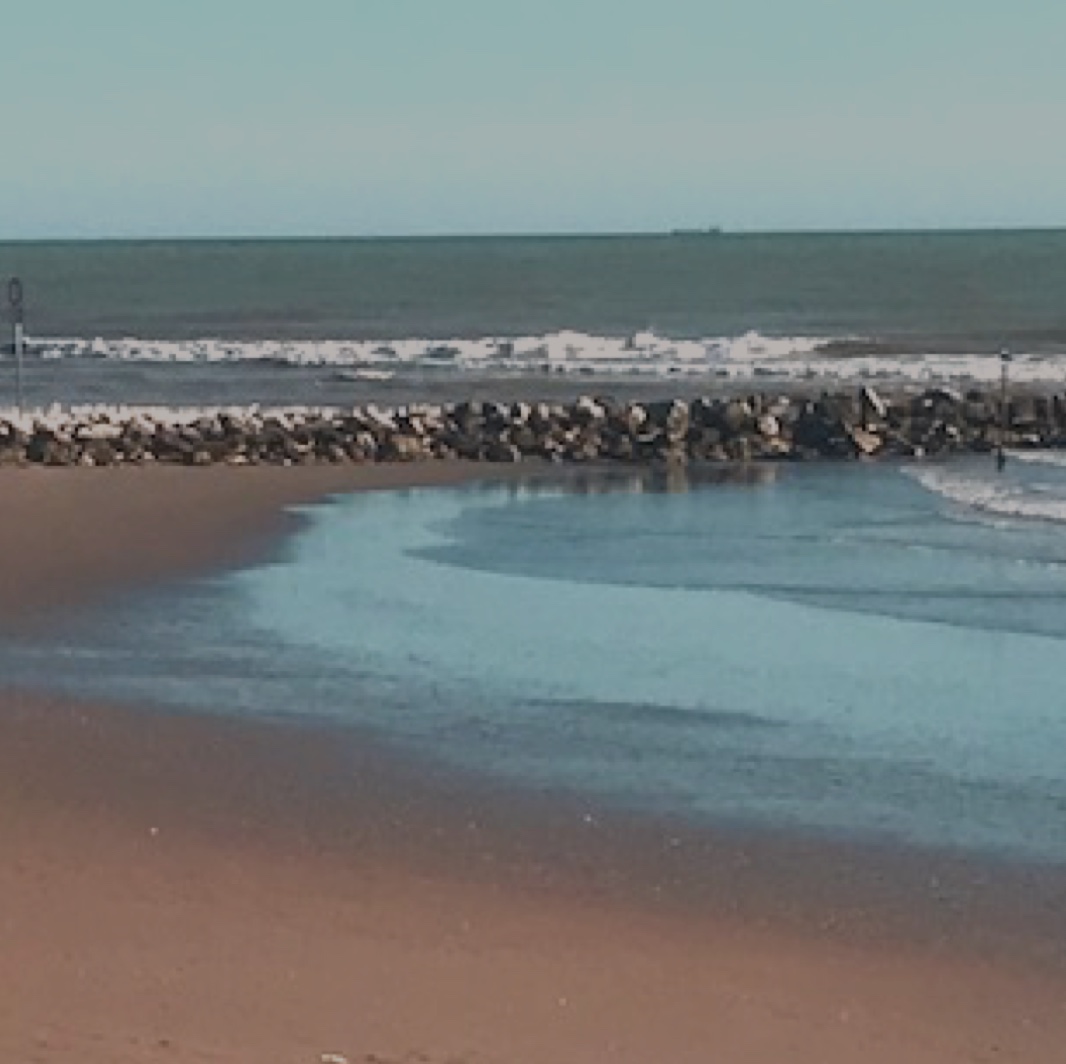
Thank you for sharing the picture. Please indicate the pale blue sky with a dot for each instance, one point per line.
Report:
(335, 117)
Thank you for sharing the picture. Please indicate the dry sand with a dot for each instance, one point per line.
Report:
(182, 888)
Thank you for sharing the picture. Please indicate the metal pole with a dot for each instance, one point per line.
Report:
(18, 365)
(14, 302)
(1004, 410)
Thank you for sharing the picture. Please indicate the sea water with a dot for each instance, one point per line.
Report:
(335, 322)
(867, 651)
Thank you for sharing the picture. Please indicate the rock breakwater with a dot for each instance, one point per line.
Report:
(837, 425)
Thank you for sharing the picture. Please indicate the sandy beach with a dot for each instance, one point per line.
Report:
(192, 888)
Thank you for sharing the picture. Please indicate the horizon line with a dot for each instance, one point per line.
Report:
(708, 233)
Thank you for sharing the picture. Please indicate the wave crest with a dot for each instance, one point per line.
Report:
(643, 354)
(985, 496)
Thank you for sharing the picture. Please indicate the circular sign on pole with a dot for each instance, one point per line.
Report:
(14, 299)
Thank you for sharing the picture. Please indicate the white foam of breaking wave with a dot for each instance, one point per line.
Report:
(364, 374)
(985, 496)
(57, 416)
(644, 354)
(564, 351)
(1047, 458)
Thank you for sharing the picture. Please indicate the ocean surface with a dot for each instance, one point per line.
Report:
(334, 322)
(859, 651)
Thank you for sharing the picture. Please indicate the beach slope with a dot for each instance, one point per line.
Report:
(189, 888)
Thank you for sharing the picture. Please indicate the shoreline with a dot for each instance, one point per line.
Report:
(246, 891)
(137, 525)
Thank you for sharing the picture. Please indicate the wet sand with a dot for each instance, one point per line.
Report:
(193, 888)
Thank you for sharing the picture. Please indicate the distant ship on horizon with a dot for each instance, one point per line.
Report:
(710, 230)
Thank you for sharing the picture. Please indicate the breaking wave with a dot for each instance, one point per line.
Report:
(644, 354)
(988, 495)
(1040, 458)
(564, 351)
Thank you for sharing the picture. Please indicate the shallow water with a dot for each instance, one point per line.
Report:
(864, 651)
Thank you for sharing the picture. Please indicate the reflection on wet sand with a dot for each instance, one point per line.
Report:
(668, 478)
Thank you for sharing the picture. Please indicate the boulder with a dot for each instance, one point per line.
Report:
(768, 426)
(866, 443)
(873, 406)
